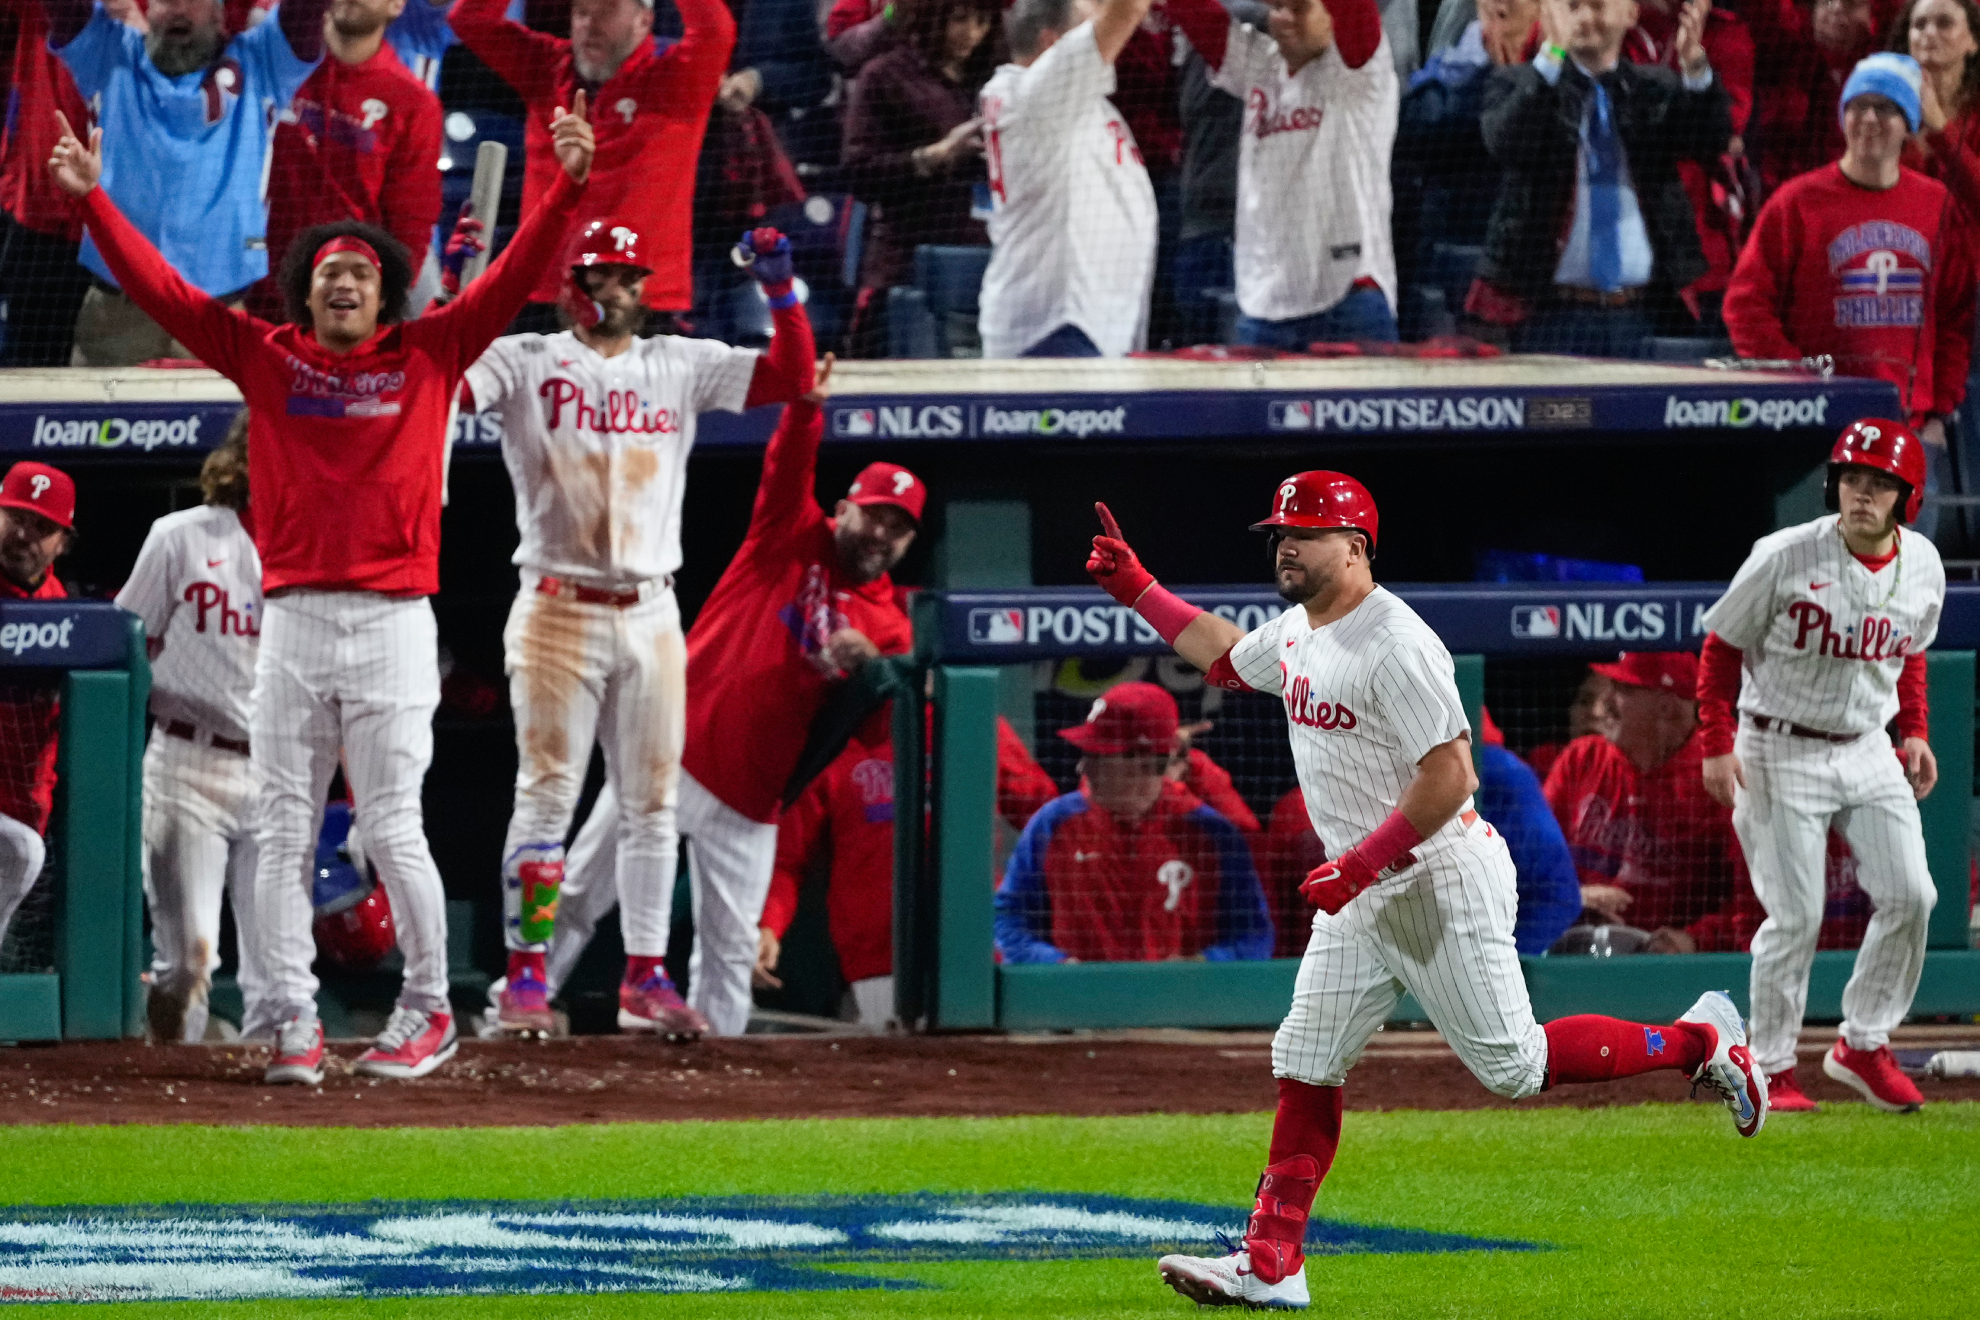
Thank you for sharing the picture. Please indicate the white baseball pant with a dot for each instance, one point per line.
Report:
(1794, 788)
(196, 845)
(22, 853)
(1442, 931)
(577, 672)
(730, 859)
(357, 671)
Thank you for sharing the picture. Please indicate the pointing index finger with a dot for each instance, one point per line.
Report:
(1107, 523)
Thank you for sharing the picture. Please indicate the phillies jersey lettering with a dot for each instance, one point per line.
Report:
(1881, 269)
(1824, 637)
(1390, 698)
(316, 393)
(597, 447)
(197, 586)
(212, 599)
(1264, 121)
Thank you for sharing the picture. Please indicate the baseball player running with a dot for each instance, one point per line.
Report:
(349, 412)
(1821, 638)
(37, 525)
(197, 586)
(597, 425)
(806, 601)
(1419, 894)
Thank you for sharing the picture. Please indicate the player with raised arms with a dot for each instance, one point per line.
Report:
(596, 428)
(1419, 894)
(349, 411)
(1820, 639)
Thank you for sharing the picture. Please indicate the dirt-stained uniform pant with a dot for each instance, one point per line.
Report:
(197, 845)
(360, 672)
(1443, 931)
(730, 859)
(579, 672)
(1795, 787)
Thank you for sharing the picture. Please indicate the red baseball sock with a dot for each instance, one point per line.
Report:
(638, 968)
(529, 964)
(1308, 1123)
(1591, 1048)
(1305, 1136)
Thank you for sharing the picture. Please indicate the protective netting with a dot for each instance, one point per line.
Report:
(1206, 200)
(29, 711)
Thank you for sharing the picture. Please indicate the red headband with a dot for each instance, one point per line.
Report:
(346, 243)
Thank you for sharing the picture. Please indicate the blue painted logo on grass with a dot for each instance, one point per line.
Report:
(731, 1244)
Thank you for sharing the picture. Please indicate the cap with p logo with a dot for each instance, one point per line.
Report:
(889, 483)
(40, 489)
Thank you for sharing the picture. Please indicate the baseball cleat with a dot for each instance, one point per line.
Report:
(1874, 1075)
(523, 1006)
(1785, 1096)
(1229, 1281)
(1728, 1070)
(654, 1005)
(412, 1045)
(298, 1053)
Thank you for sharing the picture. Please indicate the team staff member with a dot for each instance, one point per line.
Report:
(1422, 901)
(651, 110)
(1314, 257)
(1821, 637)
(361, 141)
(596, 428)
(37, 526)
(1132, 866)
(349, 412)
(197, 586)
(806, 601)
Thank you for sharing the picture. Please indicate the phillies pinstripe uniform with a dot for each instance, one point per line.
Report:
(1825, 639)
(1366, 698)
(197, 586)
(597, 449)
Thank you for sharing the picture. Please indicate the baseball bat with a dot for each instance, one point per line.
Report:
(485, 201)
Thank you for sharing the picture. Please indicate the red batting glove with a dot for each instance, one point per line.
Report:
(1331, 886)
(1113, 564)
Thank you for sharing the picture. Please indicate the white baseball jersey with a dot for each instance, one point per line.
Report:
(1366, 697)
(1313, 175)
(197, 586)
(1072, 223)
(597, 447)
(1824, 637)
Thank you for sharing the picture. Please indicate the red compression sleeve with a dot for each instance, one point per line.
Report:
(1718, 694)
(1224, 674)
(1385, 846)
(1207, 24)
(1357, 30)
(1167, 613)
(785, 373)
(1914, 709)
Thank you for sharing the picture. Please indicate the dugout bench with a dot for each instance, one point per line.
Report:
(947, 976)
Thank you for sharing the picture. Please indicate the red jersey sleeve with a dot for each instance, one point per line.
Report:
(683, 81)
(1357, 30)
(1760, 284)
(800, 830)
(410, 201)
(1718, 694)
(525, 60)
(785, 373)
(1914, 708)
(461, 331)
(790, 466)
(1728, 46)
(219, 335)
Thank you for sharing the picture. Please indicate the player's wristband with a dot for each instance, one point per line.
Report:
(780, 301)
(1387, 843)
(1167, 613)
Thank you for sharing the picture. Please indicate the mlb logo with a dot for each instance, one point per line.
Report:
(1536, 621)
(854, 422)
(1290, 414)
(996, 627)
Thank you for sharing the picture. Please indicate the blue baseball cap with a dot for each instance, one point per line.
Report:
(1889, 75)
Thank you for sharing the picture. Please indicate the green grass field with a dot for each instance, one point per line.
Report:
(1651, 1211)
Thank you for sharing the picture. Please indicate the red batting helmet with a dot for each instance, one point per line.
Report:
(605, 242)
(1322, 499)
(356, 936)
(1887, 446)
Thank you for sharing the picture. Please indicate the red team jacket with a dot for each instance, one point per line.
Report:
(345, 451)
(1881, 280)
(1290, 852)
(41, 85)
(752, 687)
(1656, 835)
(648, 119)
(30, 718)
(358, 142)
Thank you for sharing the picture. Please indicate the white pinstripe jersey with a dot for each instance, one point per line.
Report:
(197, 586)
(1823, 637)
(1366, 697)
(597, 447)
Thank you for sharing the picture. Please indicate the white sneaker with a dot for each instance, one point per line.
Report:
(1228, 1281)
(1729, 1070)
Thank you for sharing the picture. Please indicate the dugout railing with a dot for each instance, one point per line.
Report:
(75, 949)
(968, 644)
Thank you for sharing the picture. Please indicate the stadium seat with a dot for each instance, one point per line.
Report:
(950, 279)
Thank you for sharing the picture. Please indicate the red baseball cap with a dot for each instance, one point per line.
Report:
(890, 483)
(41, 489)
(1130, 717)
(1661, 671)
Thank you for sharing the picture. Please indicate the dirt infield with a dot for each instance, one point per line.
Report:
(617, 1079)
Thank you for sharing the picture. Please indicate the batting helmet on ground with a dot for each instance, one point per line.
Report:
(606, 242)
(353, 922)
(1322, 499)
(1887, 446)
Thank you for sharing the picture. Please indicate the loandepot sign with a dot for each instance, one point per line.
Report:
(435, 1248)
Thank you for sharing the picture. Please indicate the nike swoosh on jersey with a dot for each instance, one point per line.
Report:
(1817, 586)
(215, 563)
